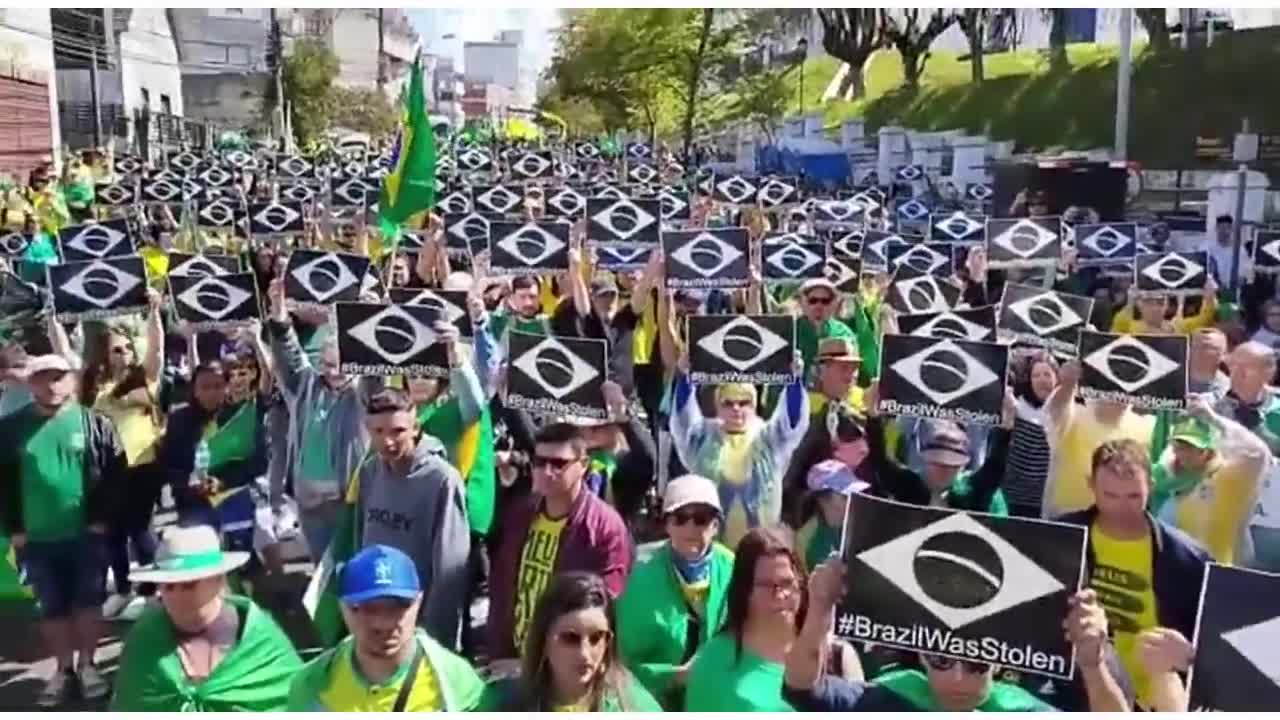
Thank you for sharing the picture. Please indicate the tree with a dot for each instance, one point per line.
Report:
(851, 35)
(903, 29)
(1057, 39)
(364, 110)
(979, 25)
(1154, 21)
(695, 79)
(309, 72)
(762, 99)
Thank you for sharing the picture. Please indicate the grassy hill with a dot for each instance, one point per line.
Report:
(1175, 96)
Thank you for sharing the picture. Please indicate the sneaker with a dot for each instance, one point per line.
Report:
(114, 604)
(56, 690)
(133, 610)
(92, 685)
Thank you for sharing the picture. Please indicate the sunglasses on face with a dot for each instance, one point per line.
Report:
(735, 403)
(943, 664)
(573, 638)
(556, 464)
(701, 518)
(819, 300)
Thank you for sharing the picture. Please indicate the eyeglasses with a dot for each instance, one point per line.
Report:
(556, 464)
(820, 300)
(943, 664)
(785, 587)
(573, 638)
(701, 518)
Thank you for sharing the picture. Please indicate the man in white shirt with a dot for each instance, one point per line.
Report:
(1221, 251)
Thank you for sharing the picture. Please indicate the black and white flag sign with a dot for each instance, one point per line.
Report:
(455, 200)
(275, 219)
(844, 273)
(735, 190)
(914, 292)
(791, 257)
(565, 202)
(556, 375)
(957, 227)
(1105, 244)
(625, 221)
(623, 258)
(528, 248)
(710, 258)
(1044, 318)
(965, 585)
(977, 324)
(756, 349)
(877, 247)
(208, 302)
(674, 204)
(187, 265)
(1237, 641)
(929, 258)
(1147, 371)
(466, 233)
(14, 244)
(776, 192)
(1023, 242)
(98, 289)
(119, 194)
(839, 212)
(450, 304)
(1267, 252)
(498, 199)
(533, 165)
(220, 214)
(94, 241)
(1172, 273)
(944, 379)
(324, 278)
(377, 339)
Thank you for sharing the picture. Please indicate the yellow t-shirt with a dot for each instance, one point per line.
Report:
(818, 401)
(537, 565)
(349, 691)
(1215, 511)
(1072, 442)
(136, 426)
(1122, 578)
(695, 594)
(735, 471)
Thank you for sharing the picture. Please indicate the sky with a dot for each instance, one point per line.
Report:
(481, 24)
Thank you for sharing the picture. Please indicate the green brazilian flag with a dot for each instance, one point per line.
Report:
(410, 187)
(321, 597)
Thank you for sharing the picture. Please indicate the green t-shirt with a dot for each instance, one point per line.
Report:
(808, 337)
(722, 680)
(52, 466)
(913, 687)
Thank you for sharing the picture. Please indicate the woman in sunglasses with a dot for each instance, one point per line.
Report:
(571, 661)
(675, 600)
(741, 668)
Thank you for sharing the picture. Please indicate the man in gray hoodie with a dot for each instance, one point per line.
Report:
(412, 499)
(326, 437)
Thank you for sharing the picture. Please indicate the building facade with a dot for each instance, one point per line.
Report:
(28, 91)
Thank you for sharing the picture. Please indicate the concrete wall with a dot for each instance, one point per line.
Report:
(149, 61)
(25, 45)
(215, 41)
(354, 39)
(497, 63)
(228, 100)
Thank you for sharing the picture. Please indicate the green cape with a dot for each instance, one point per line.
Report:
(253, 677)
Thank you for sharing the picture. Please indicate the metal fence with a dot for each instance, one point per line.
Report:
(140, 131)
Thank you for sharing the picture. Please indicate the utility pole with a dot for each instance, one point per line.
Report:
(1237, 220)
(277, 71)
(93, 83)
(382, 65)
(1122, 85)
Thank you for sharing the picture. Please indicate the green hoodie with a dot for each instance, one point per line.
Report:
(653, 618)
(913, 687)
(253, 677)
(461, 689)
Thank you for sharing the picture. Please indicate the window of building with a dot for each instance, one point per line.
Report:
(166, 106)
(146, 99)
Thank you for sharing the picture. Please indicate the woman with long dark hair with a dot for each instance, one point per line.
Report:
(741, 668)
(1035, 377)
(571, 661)
(122, 381)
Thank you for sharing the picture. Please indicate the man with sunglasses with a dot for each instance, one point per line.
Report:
(675, 599)
(945, 684)
(387, 664)
(819, 305)
(562, 526)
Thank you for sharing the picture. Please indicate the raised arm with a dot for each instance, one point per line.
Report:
(153, 361)
(289, 360)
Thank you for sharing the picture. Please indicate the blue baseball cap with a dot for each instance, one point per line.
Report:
(379, 571)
